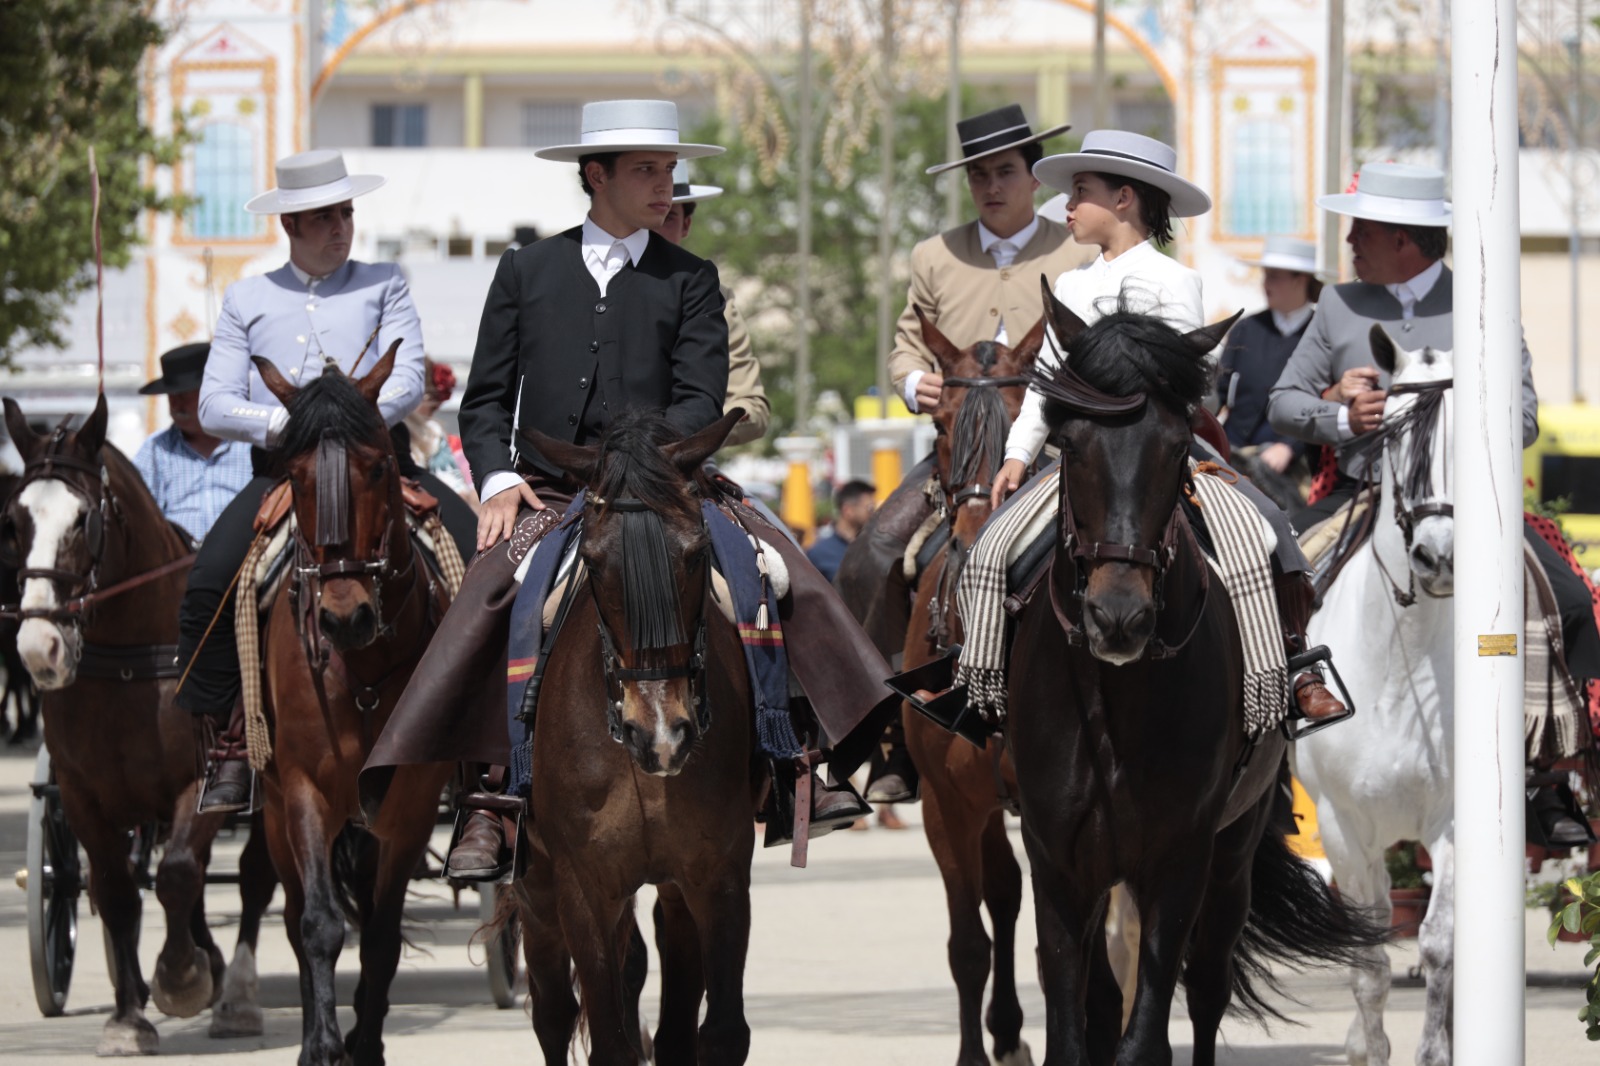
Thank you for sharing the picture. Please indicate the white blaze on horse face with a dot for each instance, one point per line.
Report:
(49, 653)
(661, 709)
(1431, 552)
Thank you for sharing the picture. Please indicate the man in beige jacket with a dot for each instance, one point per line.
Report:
(976, 282)
(744, 370)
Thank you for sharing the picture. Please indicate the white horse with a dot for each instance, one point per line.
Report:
(1388, 773)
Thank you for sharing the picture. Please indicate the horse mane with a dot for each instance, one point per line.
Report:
(1126, 353)
(129, 487)
(330, 406)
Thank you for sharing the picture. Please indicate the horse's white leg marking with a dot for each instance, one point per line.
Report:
(1437, 942)
(1122, 945)
(238, 1012)
(54, 509)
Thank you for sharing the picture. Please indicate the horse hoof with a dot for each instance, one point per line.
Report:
(236, 1019)
(137, 1037)
(185, 996)
(1023, 1056)
(237, 1011)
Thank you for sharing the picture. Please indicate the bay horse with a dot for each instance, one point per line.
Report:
(1389, 775)
(340, 644)
(102, 573)
(1126, 724)
(643, 771)
(965, 789)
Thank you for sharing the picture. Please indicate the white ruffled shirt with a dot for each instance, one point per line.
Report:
(1147, 280)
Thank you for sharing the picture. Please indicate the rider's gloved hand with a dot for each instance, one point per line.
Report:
(499, 514)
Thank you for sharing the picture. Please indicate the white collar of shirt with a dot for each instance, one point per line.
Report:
(1128, 260)
(597, 243)
(308, 280)
(1291, 322)
(1016, 242)
(1412, 292)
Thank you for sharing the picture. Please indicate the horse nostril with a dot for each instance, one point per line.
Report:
(1097, 615)
(633, 736)
(363, 618)
(331, 622)
(1424, 557)
(1143, 621)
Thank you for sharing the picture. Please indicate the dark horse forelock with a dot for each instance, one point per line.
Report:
(1127, 353)
(640, 482)
(331, 406)
(979, 436)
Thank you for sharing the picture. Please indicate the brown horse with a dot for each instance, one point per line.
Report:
(642, 770)
(339, 646)
(963, 809)
(1125, 721)
(102, 574)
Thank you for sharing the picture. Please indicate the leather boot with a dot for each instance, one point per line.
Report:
(891, 776)
(229, 780)
(481, 854)
(1296, 599)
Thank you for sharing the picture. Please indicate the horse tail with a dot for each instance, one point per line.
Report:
(353, 867)
(1295, 918)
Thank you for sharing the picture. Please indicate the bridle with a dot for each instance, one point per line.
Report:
(958, 495)
(617, 672)
(1407, 515)
(91, 483)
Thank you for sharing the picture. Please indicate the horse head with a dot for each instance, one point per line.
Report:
(1119, 404)
(341, 465)
(1416, 516)
(647, 554)
(52, 533)
(983, 389)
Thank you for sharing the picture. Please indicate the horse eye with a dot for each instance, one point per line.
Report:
(375, 475)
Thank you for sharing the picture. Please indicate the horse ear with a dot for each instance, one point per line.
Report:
(690, 452)
(372, 384)
(1384, 352)
(91, 436)
(945, 352)
(275, 382)
(1063, 322)
(22, 434)
(1206, 338)
(577, 460)
(1027, 349)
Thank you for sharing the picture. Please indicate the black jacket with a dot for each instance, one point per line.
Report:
(567, 360)
(1253, 357)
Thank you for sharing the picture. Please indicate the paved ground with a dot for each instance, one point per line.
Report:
(847, 965)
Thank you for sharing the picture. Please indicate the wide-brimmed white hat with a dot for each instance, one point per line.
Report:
(628, 126)
(308, 180)
(1128, 155)
(1288, 253)
(1397, 193)
(685, 193)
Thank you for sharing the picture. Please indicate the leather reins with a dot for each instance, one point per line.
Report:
(1406, 516)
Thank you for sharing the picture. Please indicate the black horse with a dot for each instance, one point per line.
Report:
(1125, 694)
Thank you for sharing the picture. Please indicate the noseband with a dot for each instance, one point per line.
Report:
(1430, 397)
(616, 673)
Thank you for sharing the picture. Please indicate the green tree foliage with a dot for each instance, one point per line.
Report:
(69, 78)
(750, 232)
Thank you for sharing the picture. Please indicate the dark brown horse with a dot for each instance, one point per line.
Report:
(963, 809)
(339, 646)
(102, 574)
(633, 781)
(1126, 727)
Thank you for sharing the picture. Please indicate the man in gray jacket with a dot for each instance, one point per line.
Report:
(1330, 391)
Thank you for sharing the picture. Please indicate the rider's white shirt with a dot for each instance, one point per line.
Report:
(1146, 281)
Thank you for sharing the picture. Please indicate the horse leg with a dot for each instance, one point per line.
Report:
(1363, 881)
(1436, 939)
(589, 922)
(1002, 894)
(1122, 947)
(721, 910)
(116, 897)
(238, 1012)
(184, 981)
(316, 923)
(682, 979)
(555, 1008)
(1168, 906)
(1065, 921)
(956, 835)
(1103, 1002)
(1208, 971)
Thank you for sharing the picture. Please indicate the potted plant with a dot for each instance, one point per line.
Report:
(1408, 889)
(1580, 919)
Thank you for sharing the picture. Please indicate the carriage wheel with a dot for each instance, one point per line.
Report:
(54, 884)
(506, 978)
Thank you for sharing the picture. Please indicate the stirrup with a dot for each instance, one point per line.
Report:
(1320, 655)
(253, 800)
(949, 710)
(496, 803)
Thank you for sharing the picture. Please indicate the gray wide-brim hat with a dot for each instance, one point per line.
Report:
(1289, 253)
(994, 132)
(1395, 193)
(685, 193)
(309, 180)
(628, 126)
(1127, 155)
